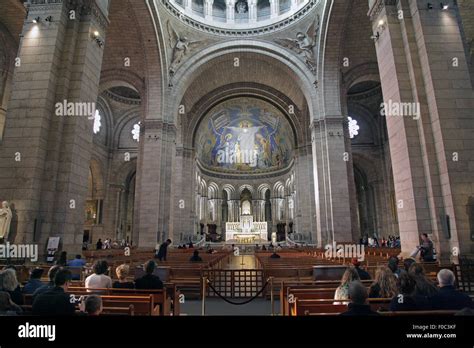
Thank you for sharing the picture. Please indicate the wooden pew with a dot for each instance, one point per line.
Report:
(132, 305)
(142, 305)
(160, 301)
(324, 306)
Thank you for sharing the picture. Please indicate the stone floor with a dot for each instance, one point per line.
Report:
(217, 306)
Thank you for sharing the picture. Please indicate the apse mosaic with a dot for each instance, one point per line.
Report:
(245, 135)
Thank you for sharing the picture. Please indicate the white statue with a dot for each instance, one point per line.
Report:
(5, 220)
(304, 44)
(180, 45)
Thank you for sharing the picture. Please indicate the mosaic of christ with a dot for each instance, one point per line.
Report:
(245, 135)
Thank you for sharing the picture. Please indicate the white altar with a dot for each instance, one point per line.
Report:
(245, 229)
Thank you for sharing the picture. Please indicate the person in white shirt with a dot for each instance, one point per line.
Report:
(99, 279)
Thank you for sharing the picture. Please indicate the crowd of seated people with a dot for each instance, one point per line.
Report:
(409, 290)
(373, 242)
(52, 298)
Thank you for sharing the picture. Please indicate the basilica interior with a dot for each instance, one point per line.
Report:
(243, 121)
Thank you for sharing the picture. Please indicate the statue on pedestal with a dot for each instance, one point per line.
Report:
(5, 220)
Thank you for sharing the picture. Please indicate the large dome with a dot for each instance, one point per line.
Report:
(239, 17)
(244, 135)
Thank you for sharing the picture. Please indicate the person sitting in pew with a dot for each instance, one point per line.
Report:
(408, 262)
(56, 301)
(99, 279)
(393, 265)
(274, 255)
(9, 283)
(62, 260)
(46, 287)
(35, 281)
(93, 305)
(195, 257)
(342, 291)
(149, 280)
(358, 304)
(78, 262)
(384, 285)
(405, 300)
(424, 287)
(122, 272)
(7, 306)
(363, 275)
(448, 298)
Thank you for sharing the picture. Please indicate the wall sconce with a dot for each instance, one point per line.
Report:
(444, 7)
(381, 25)
(96, 36)
(376, 36)
(49, 19)
(430, 6)
(36, 20)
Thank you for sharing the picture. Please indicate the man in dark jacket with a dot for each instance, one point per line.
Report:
(163, 251)
(358, 305)
(46, 287)
(426, 249)
(363, 275)
(56, 301)
(149, 280)
(448, 298)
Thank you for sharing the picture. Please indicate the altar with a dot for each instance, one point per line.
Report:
(246, 230)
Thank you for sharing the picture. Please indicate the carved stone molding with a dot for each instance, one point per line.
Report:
(120, 99)
(240, 32)
(378, 6)
(84, 8)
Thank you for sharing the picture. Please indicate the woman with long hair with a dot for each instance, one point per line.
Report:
(424, 287)
(342, 291)
(384, 285)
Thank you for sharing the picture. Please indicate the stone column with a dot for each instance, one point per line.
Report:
(208, 8)
(48, 186)
(230, 11)
(431, 162)
(183, 193)
(155, 208)
(188, 6)
(294, 5)
(252, 11)
(331, 180)
(274, 8)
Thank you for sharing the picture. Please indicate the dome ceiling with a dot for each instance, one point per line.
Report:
(244, 135)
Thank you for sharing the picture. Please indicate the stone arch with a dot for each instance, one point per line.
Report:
(261, 191)
(363, 72)
(231, 192)
(279, 190)
(268, 94)
(213, 191)
(108, 124)
(124, 120)
(273, 54)
(248, 187)
(120, 77)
